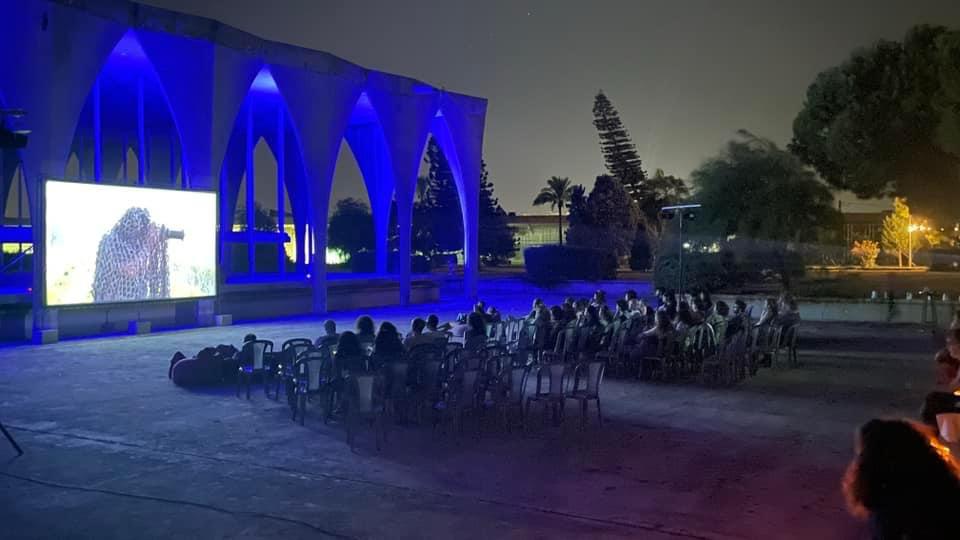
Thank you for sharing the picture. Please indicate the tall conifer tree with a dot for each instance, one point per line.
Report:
(619, 152)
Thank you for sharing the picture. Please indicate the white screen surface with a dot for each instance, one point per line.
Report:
(108, 244)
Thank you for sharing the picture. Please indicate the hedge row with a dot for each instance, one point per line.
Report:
(556, 264)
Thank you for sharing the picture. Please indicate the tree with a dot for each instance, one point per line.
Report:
(556, 194)
(757, 190)
(885, 122)
(619, 152)
(437, 216)
(895, 235)
(609, 219)
(623, 162)
(497, 240)
(262, 220)
(866, 252)
(351, 227)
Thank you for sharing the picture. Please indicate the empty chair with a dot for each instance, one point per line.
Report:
(254, 360)
(586, 388)
(550, 392)
(511, 401)
(365, 405)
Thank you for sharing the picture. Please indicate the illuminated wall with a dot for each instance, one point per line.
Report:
(118, 92)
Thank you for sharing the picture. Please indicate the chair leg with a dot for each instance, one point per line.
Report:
(599, 414)
(583, 415)
(303, 407)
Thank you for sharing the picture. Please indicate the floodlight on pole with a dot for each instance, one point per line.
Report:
(680, 209)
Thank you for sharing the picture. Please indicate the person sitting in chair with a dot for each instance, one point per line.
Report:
(330, 337)
(417, 336)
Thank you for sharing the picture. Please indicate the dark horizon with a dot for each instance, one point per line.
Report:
(683, 85)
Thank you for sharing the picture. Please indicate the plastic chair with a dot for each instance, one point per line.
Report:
(308, 379)
(290, 351)
(552, 396)
(591, 375)
(255, 357)
(365, 405)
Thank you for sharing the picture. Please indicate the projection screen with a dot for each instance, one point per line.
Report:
(109, 244)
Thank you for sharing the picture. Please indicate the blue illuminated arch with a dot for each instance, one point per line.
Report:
(131, 92)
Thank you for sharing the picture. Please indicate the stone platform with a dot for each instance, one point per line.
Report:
(114, 450)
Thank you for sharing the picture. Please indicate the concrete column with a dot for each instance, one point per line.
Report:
(97, 134)
(141, 136)
(281, 181)
(251, 194)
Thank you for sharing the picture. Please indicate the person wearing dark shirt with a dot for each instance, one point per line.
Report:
(330, 336)
(350, 355)
(388, 346)
(475, 336)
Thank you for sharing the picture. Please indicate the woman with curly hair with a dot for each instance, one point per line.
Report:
(904, 481)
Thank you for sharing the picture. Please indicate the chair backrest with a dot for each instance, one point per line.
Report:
(570, 339)
(425, 353)
(398, 377)
(518, 383)
(430, 374)
(293, 348)
(259, 350)
(469, 384)
(594, 373)
(309, 367)
(453, 357)
(363, 392)
(555, 374)
(789, 338)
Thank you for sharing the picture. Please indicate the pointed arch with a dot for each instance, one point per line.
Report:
(263, 116)
(127, 106)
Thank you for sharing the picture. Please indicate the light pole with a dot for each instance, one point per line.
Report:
(910, 229)
(679, 209)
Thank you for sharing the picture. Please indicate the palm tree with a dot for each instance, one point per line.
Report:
(556, 194)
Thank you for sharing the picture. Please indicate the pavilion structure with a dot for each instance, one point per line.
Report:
(119, 92)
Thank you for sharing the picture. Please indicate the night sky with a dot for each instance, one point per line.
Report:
(684, 74)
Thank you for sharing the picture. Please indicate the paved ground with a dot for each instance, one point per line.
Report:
(114, 450)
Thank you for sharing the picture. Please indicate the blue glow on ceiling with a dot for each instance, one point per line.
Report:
(363, 111)
(264, 82)
(128, 48)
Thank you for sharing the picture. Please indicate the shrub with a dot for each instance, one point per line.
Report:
(555, 264)
(866, 252)
(732, 266)
(701, 271)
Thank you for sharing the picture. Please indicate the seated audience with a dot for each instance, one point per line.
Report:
(599, 299)
(388, 346)
(648, 341)
(417, 336)
(350, 354)
(686, 318)
(903, 481)
(789, 313)
(330, 336)
(737, 321)
(943, 398)
(768, 317)
(718, 320)
(591, 332)
(434, 326)
(535, 310)
(630, 295)
(366, 332)
(706, 304)
(493, 315)
(569, 309)
(623, 310)
(475, 335)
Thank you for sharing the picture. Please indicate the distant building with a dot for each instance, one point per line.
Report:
(535, 230)
(863, 226)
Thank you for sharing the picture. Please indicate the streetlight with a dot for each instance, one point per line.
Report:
(680, 209)
(910, 229)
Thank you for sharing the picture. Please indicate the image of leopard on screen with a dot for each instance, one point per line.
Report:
(111, 244)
